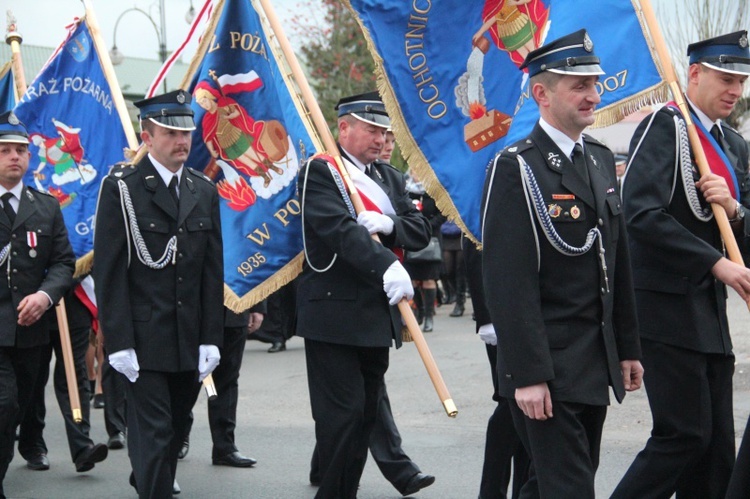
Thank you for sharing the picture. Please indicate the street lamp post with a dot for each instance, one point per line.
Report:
(161, 35)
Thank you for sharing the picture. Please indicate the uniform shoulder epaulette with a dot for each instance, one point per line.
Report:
(200, 175)
(591, 140)
(671, 110)
(122, 170)
(385, 163)
(37, 191)
(517, 147)
(729, 128)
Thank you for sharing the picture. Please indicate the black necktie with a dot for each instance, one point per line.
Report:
(173, 190)
(716, 134)
(7, 208)
(579, 162)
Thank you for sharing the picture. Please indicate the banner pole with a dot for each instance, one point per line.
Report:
(330, 145)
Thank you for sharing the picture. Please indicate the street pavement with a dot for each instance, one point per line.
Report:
(275, 427)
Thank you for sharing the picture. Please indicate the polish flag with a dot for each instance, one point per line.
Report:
(244, 82)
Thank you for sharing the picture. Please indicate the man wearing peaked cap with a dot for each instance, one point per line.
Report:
(681, 273)
(348, 290)
(171, 110)
(159, 285)
(36, 269)
(557, 283)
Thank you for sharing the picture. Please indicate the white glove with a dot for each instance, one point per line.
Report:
(208, 359)
(125, 362)
(397, 283)
(375, 222)
(487, 334)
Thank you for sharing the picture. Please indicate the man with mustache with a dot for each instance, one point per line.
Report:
(680, 273)
(159, 284)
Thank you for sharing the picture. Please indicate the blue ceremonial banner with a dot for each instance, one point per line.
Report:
(75, 132)
(455, 91)
(251, 140)
(7, 88)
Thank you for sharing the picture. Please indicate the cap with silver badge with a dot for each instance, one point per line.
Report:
(12, 130)
(367, 107)
(572, 54)
(170, 110)
(728, 53)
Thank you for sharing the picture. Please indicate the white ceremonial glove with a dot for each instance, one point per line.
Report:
(487, 334)
(397, 283)
(208, 359)
(375, 222)
(125, 362)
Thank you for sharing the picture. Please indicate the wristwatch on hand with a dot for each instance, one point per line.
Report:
(740, 213)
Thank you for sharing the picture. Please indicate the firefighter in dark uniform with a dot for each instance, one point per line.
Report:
(36, 269)
(349, 287)
(159, 286)
(680, 274)
(557, 275)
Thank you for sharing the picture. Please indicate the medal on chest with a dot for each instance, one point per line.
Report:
(31, 241)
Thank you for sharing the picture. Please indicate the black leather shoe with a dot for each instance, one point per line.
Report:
(417, 483)
(98, 401)
(116, 441)
(87, 458)
(176, 488)
(235, 459)
(278, 346)
(184, 449)
(40, 462)
(458, 310)
(427, 328)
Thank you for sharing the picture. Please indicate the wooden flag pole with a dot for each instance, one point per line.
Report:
(109, 74)
(68, 360)
(330, 145)
(14, 39)
(722, 220)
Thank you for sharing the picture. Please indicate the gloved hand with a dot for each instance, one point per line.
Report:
(208, 359)
(375, 222)
(125, 362)
(397, 283)
(487, 334)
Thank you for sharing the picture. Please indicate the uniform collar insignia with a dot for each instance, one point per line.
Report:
(554, 159)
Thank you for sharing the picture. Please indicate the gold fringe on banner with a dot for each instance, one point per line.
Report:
(615, 112)
(84, 265)
(260, 292)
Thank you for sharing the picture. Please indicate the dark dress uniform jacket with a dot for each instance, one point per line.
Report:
(346, 304)
(50, 271)
(679, 301)
(554, 320)
(163, 314)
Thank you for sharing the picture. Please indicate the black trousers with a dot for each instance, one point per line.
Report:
(502, 447)
(113, 389)
(385, 447)
(344, 383)
(31, 434)
(691, 448)
(564, 450)
(739, 484)
(222, 412)
(19, 368)
(158, 408)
